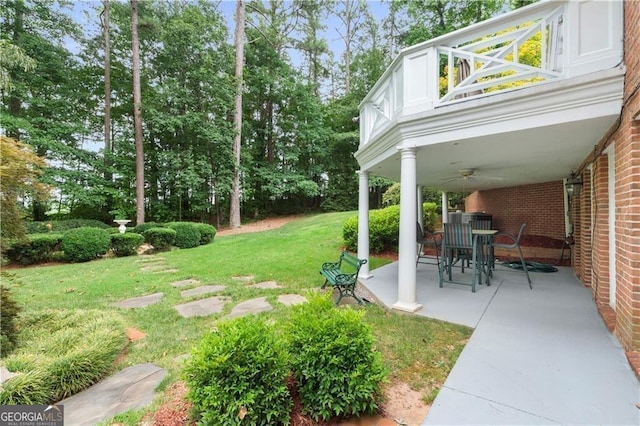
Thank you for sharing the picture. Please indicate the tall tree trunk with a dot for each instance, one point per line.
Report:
(15, 103)
(107, 91)
(234, 213)
(137, 116)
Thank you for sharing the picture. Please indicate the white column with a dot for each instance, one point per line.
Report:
(445, 207)
(363, 223)
(407, 297)
(419, 202)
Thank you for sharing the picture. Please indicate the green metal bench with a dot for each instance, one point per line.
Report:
(343, 275)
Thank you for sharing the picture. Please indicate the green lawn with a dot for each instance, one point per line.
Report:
(418, 351)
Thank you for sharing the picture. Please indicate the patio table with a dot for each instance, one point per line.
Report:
(483, 238)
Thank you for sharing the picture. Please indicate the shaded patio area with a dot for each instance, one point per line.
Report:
(541, 356)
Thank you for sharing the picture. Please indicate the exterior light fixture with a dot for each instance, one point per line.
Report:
(572, 185)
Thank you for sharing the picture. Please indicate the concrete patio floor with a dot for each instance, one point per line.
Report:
(541, 356)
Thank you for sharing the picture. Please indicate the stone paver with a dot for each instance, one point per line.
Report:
(140, 302)
(203, 289)
(181, 359)
(149, 259)
(291, 299)
(202, 307)
(130, 389)
(245, 278)
(185, 283)
(153, 268)
(252, 306)
(266, 285)
(165, 271)
(5, 375)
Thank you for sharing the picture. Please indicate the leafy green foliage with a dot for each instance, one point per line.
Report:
(139, 229)
(62, 353)
(337, 370)
(160, 238)
(237, 375)
(84, 244)
(35, 248)
(8, 315)
(384, 227)
(40, 227)
(126, 244)
(432, 18)
(20, 171)
(187, 234)
(207, 233)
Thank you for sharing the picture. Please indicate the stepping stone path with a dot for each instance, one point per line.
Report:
(266, 285)
(252, 306)
(150, 259)
(245, 278)
(172, 270)
(291, 299)
(130, 389)
(153, 268)
(202, 307)
(202, 290)
(140, 302)
(185, 283)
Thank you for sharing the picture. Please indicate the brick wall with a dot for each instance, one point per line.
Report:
(581, 217)
(541, 206)
(625, 138)
(600, 243)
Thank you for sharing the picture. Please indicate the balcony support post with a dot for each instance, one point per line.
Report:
(363, 223)
(407, 295)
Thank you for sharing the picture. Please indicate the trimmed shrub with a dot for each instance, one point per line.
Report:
(63, 225)
(207, 233)
(237, 375)
(336, 369)
(384, 228)
(160, 238)
(35, 248)
(84, 244)
(139, 229)
(8, 313)
(62, 353)
(187, 234)
(126, 244)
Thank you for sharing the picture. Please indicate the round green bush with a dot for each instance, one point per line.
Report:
(336, 369)
(126, 244)
(187, 234)
(63, 225)
(160, 238)
(35, 248)
(207, 233)
(84, 244)
(139, 229)
(241, 367)
(384, 228)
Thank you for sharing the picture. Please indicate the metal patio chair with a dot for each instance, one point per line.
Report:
(458, 239)
(423, 240)
(513, 245)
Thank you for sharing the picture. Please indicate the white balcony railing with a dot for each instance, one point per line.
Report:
(541, 43)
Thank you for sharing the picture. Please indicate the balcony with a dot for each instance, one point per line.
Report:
(545, 79)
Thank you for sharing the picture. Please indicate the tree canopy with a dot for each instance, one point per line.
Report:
(303, 80)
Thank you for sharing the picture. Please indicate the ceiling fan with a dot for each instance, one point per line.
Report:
(469, 175)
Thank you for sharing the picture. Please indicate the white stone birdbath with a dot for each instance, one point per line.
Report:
(123, 225)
